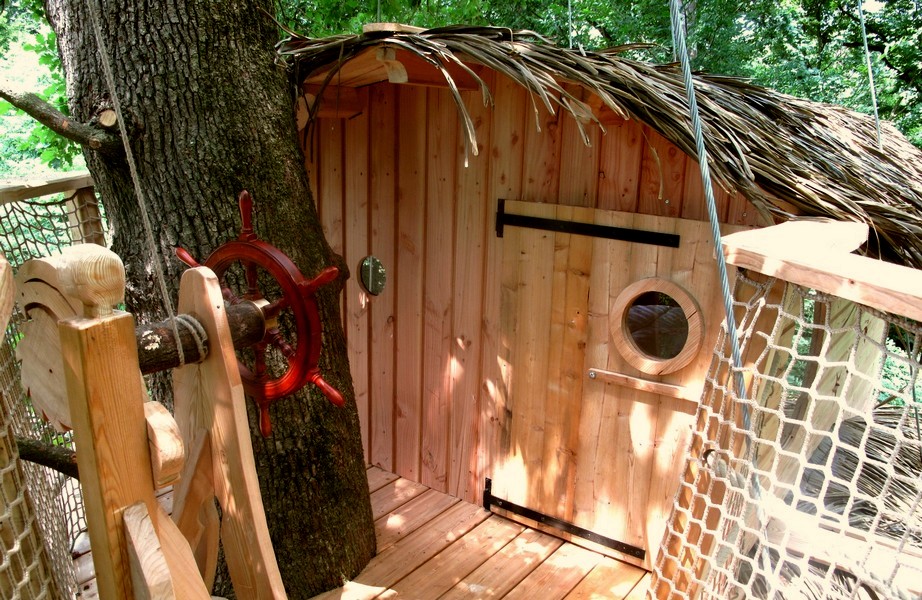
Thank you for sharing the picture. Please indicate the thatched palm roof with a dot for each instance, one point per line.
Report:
(777, 150)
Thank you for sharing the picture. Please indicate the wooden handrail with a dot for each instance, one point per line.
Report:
(25, 189)
(680, 392)
(816, 254)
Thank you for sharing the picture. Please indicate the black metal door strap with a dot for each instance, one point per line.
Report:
(608, 232)
(489, 500)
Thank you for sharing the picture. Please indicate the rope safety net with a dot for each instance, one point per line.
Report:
(820, 495)
(41, 510)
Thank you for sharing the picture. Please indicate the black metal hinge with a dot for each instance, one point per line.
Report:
(489, 501)
(639, 236)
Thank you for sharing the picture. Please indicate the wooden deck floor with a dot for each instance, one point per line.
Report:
(431, 545)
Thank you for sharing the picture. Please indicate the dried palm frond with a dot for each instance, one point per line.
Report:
(822, 159)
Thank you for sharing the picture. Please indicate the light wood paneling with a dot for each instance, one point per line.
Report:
(505, 181)
(443, 157)
(579, 163)
(330, 163)
(601, 455)
(382, 225)
(467, 303)
(621, 150)
(355, 299)
(409, 271)
(540, 158)
(662, 179)
(430, 361)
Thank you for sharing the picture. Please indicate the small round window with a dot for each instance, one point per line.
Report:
(656, 326)
(372, 275)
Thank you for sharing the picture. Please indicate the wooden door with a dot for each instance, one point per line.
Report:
(603, 456)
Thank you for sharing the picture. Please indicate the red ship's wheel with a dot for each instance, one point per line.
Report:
(295, 300)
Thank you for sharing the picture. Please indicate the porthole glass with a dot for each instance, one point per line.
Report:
(373, 275)
(656, 325)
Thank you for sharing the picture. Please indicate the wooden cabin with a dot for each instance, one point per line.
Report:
(518, 225)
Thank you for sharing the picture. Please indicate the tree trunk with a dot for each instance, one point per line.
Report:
(209, 112)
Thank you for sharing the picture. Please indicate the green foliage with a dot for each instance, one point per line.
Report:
(898, 376)
(53, 149)
(814, 49)
(807, 48)
(24, 144)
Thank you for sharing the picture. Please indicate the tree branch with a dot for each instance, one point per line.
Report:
(61, 459)
(93, 137)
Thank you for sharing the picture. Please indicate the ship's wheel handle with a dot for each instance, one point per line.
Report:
(293, 294)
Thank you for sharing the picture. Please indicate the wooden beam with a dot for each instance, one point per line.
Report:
(166, 448)
(337, 102)
(799, 237)
(386, 63)
(391, 28)
(407, 67)
(15, 191)
(645, 385)
(106, 395)
(84, 217)
(208, 398)
(150, 575)
(7, 292)
(798, 251)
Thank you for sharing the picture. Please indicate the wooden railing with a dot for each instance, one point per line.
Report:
(77, 187)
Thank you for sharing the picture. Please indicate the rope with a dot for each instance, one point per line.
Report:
(132, 167)
(199, 336)
(679, 39)
(867, 58)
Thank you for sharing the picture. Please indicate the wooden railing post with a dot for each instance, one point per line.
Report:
(85, 218)
(107, 398)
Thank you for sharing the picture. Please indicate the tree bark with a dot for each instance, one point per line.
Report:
(211, 113)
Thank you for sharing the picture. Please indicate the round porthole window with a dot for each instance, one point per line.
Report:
(656, 326)
(372, 275)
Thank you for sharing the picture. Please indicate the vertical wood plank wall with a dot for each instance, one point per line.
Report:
(393, 182)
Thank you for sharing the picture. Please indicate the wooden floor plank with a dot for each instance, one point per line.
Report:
(410, 517)
(394, 495)
(610, 579)
(557, 576)
(505, 569)
(432, 545)
(407, 554)
(640, 590)
(440, 573)
(378, 478)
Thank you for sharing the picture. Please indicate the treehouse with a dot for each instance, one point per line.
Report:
(552, 302)
(536, 324)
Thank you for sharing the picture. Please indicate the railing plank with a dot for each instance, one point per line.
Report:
(25, 189)
(794, 252)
